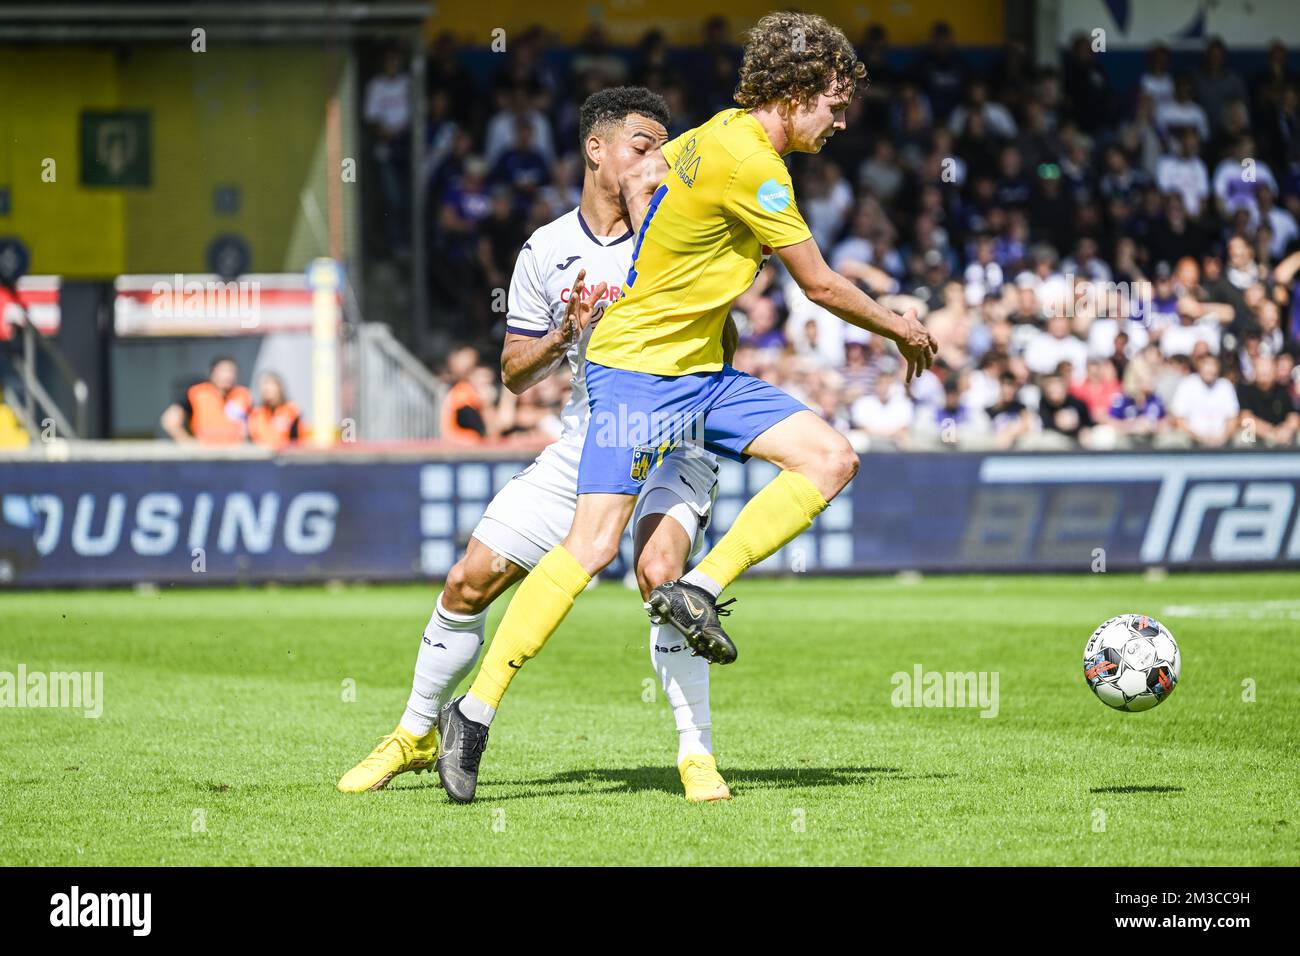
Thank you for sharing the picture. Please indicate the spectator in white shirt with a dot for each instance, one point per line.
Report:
(983, 276)
(828, 341)
(880, 172)
(1049, 349)
(856, 246)
(1157, 82)
(1239, 177)
(1051, 288)
(1283, 225)
(388, 99)
(1205, 406)
(500, 133)
(1183, 172)
(997, 118)
(1085, 263)
(1182, 110)
(887, 412)
(1181, 339)
(826, 200)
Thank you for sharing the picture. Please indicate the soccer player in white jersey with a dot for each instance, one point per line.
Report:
(566, 273)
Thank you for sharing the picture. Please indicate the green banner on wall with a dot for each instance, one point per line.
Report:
(115, 148)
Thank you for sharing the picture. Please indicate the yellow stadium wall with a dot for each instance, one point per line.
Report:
(254, 118)
(68, 228)
(974, 22)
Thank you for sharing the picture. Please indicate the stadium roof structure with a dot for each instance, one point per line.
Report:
(284, 22)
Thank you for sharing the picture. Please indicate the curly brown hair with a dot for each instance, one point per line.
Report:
(796, 56)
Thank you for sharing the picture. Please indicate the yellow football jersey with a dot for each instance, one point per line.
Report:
(727, 203)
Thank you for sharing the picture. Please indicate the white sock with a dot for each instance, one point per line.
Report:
(448, 651)
(685, 679)
(477, 711)
(701, 580)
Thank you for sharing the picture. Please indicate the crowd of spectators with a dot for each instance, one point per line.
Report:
(1101, 267)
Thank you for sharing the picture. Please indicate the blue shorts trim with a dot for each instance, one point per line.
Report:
(637, 419)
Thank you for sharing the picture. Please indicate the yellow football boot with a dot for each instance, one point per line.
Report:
(397, 753)
(701, 779)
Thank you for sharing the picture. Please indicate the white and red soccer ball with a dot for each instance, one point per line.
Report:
(1131, 662)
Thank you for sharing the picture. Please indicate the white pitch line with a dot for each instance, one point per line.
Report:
(1254, 610)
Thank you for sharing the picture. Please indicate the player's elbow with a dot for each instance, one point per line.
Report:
(512, 378)
(820, 290)
(517, 384)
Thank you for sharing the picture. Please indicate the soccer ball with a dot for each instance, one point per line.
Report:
(1131, 662)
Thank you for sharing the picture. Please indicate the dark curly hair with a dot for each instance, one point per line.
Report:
(613, 105)
(796, 56)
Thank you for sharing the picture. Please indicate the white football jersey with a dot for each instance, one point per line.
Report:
(539, 294)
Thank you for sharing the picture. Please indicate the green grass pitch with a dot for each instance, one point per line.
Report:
(227, 722)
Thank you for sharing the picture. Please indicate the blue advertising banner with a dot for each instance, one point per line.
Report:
(1028, 512)
(121, 522)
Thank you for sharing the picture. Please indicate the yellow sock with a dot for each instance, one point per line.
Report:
(537, 609)
(775, 516)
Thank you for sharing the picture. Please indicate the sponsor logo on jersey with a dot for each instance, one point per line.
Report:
(688, 164)
(773, 196)
(561, 266)
(612, 292)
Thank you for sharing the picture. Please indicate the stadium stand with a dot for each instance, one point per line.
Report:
(1077, 270)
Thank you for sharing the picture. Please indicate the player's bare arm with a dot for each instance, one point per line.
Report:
(833, 292)
(527, 360)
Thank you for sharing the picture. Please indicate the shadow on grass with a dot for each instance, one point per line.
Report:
(665, 780)
(1155, 788)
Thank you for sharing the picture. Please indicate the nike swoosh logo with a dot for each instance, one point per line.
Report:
(686, 483)
(514, 665)
(561, 266)
(696, 612)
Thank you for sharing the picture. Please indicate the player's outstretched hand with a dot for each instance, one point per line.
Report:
(917, 345)
(580, 309)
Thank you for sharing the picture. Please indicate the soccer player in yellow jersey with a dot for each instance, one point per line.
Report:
(722, 201)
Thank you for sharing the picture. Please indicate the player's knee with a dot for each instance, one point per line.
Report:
(848, 463)
(654, 568)
(461, 594)
(594, 554)
(837, 463)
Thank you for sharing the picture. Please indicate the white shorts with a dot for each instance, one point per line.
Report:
(534, 511)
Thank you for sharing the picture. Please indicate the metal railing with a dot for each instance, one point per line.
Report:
(34, 406)
(388, 391)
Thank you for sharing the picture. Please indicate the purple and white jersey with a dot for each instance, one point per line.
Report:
(540, 287)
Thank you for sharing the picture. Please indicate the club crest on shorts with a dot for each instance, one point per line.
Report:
(643, 457)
